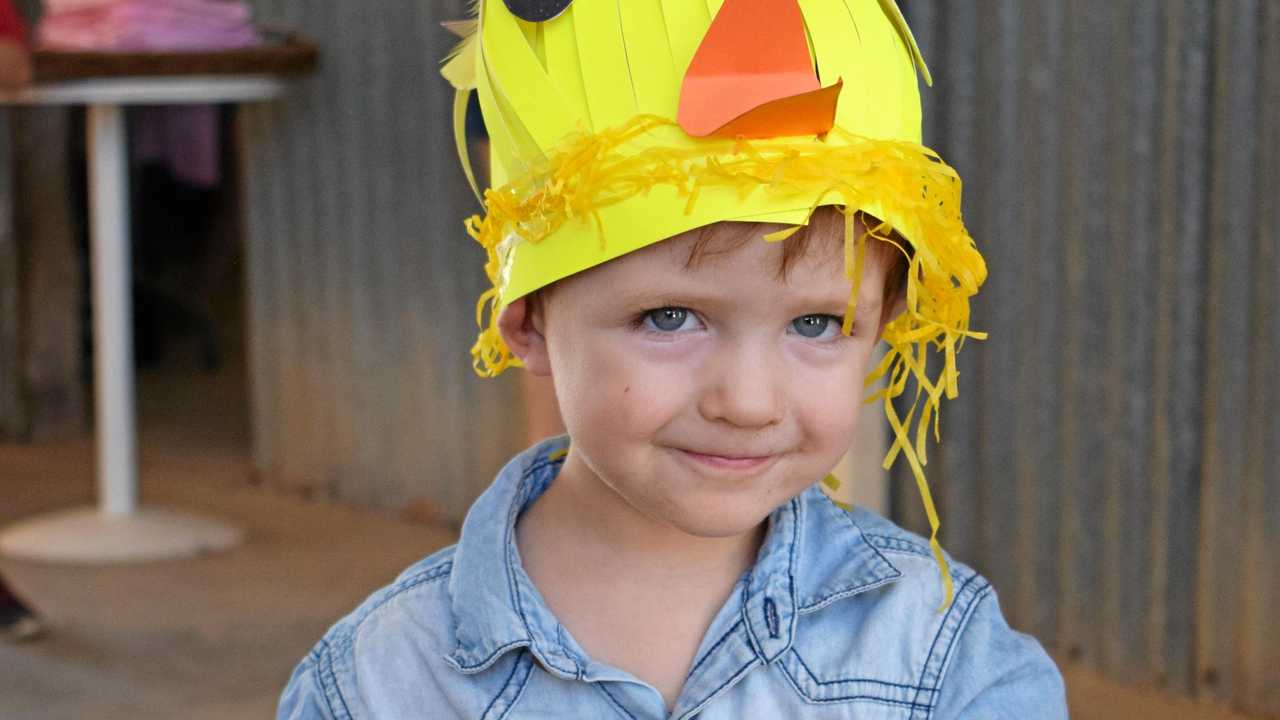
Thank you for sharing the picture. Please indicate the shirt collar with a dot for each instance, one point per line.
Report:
(495, 605)
(814, 553)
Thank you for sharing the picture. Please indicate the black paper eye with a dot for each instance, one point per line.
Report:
(537, 10)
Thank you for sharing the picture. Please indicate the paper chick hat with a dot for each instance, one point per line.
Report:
(614, 124)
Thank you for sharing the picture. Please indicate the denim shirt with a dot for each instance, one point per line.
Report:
(837, 619)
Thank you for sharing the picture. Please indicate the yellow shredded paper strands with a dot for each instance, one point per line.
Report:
(590, 171)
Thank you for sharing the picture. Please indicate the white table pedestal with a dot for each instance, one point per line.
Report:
(117, 530)
(91, 535)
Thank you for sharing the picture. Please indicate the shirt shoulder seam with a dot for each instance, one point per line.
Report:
(342, 638)
(894, 543)
(967, 599)
(327, 679)
(344, 634)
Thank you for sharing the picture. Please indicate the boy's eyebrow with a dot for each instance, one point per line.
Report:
(665, 294)
(656, 296)
(865, 300)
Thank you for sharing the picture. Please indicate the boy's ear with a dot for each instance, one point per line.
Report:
(522, 328)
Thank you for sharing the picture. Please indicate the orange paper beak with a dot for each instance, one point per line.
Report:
(752, 76)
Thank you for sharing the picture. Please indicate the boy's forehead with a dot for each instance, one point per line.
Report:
(733, 261)
(737, 247)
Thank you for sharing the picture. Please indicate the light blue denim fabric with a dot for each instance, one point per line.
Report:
(838, 619)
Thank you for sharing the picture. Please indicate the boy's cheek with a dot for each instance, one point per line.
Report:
(618, 397)
(829, 418)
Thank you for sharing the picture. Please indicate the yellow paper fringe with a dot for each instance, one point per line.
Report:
(833, 482)
(590, 171)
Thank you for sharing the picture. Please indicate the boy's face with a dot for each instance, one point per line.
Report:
(705, 395)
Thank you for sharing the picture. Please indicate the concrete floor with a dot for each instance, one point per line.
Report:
(216, 636)
(210, 637)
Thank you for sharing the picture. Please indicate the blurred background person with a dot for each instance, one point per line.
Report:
(17, 621)
(15, 65)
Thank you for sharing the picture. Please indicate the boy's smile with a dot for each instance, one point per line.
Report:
(703, 394)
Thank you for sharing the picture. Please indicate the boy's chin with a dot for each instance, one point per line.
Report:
(720, 524)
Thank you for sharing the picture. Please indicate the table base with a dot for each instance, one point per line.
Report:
(88, 535)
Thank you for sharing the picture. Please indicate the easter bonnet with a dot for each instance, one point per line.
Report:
(614, 124)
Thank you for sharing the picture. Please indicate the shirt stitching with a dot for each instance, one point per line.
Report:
(329, 680)
(836, 595)
(527, 662)
(534, 467)
(897, 543)
(791, 566)
(943, 626)
(712, 649)
(614, 700)
(492, 656)
(815, 679)
(542, 656)
(752, 641)
(771, 616)
(430, 574)
(514, 666)
(864, 535)
(981, 595)
(506, 537)
(732, 678)
(791, 547)
(845, 698)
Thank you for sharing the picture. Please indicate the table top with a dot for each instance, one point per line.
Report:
(281, 52)
(259, 72)
(149, 90)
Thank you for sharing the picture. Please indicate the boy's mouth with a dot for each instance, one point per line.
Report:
(727, 462)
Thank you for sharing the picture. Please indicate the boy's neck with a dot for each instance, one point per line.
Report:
(588, 521)
(635, 593)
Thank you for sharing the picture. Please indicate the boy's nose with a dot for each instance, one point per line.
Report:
(743, 390)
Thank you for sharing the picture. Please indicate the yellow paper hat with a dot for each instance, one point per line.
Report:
(614, 125)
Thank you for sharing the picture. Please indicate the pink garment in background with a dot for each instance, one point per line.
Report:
(146, 25)
(185, 138)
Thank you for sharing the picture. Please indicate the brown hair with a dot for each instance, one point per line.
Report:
(827, 225)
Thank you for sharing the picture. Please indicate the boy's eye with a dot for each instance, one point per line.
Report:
(667, 319)
(816, 326)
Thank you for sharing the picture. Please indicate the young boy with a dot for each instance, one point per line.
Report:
(673, 556)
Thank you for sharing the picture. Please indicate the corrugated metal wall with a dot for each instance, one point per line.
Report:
(360, 276)
(1113, 463)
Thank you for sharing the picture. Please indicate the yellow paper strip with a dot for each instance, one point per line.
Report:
(565, 68)
(904, 30)
(529, 30)
(837, 48)
(605, 72)
(517, 73)
(686, 23)
(653, 74)
(502, 145)
(880, 41)
(461, 99)
(944, 569)
(460, 65)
